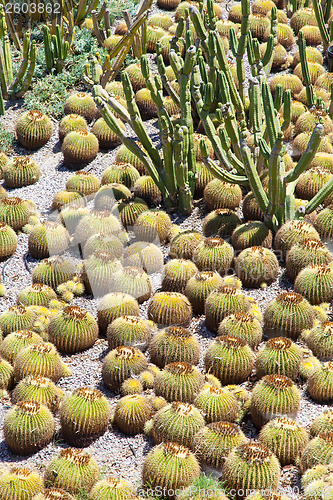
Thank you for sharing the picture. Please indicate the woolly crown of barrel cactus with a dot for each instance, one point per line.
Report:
(122, 363)
(279, 356)
(39, 389)
(71, 122)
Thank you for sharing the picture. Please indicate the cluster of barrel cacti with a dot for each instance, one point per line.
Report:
(183, 393)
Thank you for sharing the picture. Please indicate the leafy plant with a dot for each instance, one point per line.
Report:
(7, 140)
(48, 95)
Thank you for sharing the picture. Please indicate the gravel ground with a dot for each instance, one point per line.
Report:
(115, 453)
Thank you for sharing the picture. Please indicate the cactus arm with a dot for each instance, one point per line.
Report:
(129, 143)
(328, 8)
(8, 59)
(233, 42)
(278, 97)
(199, 27)
(184, 191)
(272, 123)
(217, 170)
(286, 110)
(319, 198)
(305, 70)
(2, 104)
(24, 64)
(269, 51)
(3, 73)
(224, 67)
(245, 4)
(137, 124)
(168, 157)
(316, 5)
(274, 32)
(273, 177)
(166, 84)
(30, 73)
(251, 172)
(256, 110)
(308, 155)
(48, 48)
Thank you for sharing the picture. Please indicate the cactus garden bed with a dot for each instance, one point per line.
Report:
(174, 331)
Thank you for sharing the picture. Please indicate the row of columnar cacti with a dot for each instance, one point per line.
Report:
(17, 86)
(206, 90)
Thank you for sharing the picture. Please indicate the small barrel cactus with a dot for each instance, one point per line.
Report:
(73, 330)
(83, 182)
(53, 271)
(251, 234)
(122, 173)
(183, 244)
(133, 281)
(131, 413)
(285, 438)
(73, 470)
(220, 222)
(21, 171)
(170, 308)
(213, 443)
(176, 274)
(63, 198)
(6, 374)
(152, 225)
(323, 224)
(98, 273)
(48, 238)
(80, 147)
(288, 315)
(84, 416)
(256, 266)
(71, 122)
(114, 305)
(272, 397)
(318, 451)
(17, 318)
(39, 360)
(244, 326)
(322, 424)
(144, 255)
(19, 483)
(200, 286)
(177, 423)
(217, 404)
(213, 254)
(14, 212)
(279, 356)
(320, 340)
(8, 240)
(54, 494)
(146, 189)
(111, 488)
(301, 255)
(229, 359)
(33, 129)
(103, 242)
(36, 294)
(106, 137)
(28, 427)
(173, 344)
(222, 302)
(320, 383)
(122, 363)
(169, 466)
(129, 210)
(220, 194)
(14, 342)
(251, 466)
(292, 232)
(178, 382)
(315, 283)
(82, 104)
(130, 331)
(38, 389)
(96, 222)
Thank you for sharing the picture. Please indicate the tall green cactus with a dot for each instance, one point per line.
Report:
(17, 86)
(56, 48)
